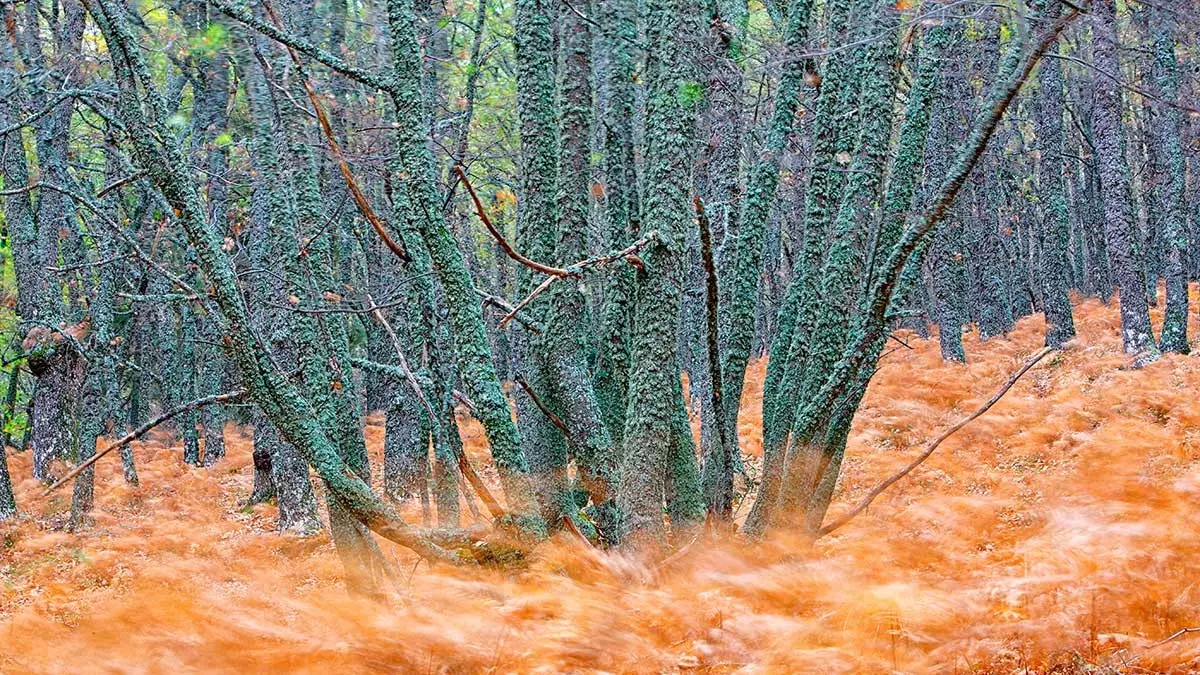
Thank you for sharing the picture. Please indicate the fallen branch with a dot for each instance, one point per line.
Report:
(228, 397)
(862, 505)
(1177, 634)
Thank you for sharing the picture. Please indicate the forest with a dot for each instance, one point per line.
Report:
(599, 336)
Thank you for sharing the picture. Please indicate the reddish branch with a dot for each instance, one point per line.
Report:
(528, 299)
(574, 271)
(499, 237)
(228, 397)
(359, 199)
(862, 505)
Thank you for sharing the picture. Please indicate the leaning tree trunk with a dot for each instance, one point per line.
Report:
(781, 387)
(806, 463)
(742, 255)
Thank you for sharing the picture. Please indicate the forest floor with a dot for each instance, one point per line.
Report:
(1057, 533)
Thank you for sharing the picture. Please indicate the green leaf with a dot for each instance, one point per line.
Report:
(690, 93)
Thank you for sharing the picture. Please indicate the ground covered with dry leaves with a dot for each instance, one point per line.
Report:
(1058, 533)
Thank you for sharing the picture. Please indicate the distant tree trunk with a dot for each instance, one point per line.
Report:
(185, 380)
(611, 380)
(948, 285)
(1170, 181)
(1055, 223)
(8, 505)
(406, 450)
(1120, 231)
(95, 404)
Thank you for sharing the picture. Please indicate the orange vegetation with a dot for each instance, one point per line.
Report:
(1056, 533)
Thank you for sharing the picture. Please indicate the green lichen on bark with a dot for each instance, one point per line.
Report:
(671, 106)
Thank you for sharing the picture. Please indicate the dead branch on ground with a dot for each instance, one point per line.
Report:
(866, 501)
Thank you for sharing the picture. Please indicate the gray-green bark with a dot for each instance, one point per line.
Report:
(1121, 236)
(1055, 224)
(1169, 181)
(673, 96)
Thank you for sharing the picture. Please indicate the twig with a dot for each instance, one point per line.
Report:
(464, 399)
(530, 325)
(554, 419)
(529, 298)
(359, 199)
(862, 505)
(499, 237)
(1179, 633)
(82, 265)
(118, 183)
(623, 254)
(228, 397)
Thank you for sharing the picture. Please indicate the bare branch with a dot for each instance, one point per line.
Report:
(228, 397)
(529, 298)
(541, 405)
(499, 237)
(464, 465)
(866, 501)
(360, 199)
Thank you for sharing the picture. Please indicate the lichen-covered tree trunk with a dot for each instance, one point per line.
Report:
(37, 225)
(473, 351)
(808, 460)
(1055, 225)
(158, 153)
(1170, 181)
(781, 388)
(285, 474)
(947, 287)
(561, 350)
(611, 379)
(1121, 234)
(537, 227)
(672, 98)
(742, 254)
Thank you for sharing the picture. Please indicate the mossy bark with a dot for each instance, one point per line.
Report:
(673, 95)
